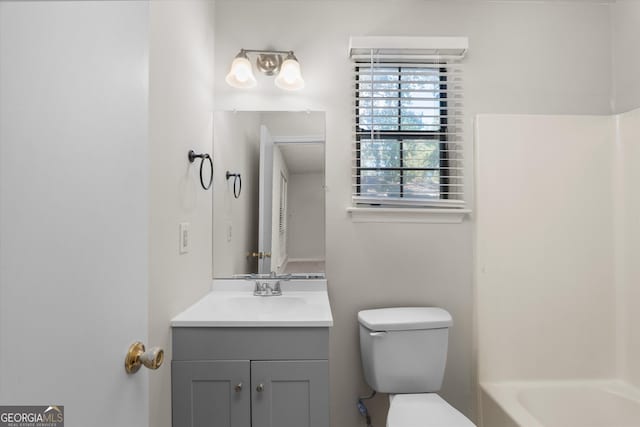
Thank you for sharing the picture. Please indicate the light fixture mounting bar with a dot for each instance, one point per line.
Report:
(282, 63)
(282, 52)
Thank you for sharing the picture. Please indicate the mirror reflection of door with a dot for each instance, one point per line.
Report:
(277, 225)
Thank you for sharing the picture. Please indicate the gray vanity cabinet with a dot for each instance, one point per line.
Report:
(250, 377)
(293, 393)
(211, 393)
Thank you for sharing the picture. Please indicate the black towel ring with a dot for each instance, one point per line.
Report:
(192, 158)
(237, 183)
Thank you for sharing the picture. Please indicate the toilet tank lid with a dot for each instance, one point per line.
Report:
(405, 318)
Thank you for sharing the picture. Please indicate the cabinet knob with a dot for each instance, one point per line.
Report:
(238, 387)
(260, 388)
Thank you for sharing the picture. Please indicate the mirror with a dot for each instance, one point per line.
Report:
(276, 224)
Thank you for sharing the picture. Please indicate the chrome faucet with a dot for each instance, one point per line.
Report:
(267, 288)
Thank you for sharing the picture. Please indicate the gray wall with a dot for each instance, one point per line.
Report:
(306, 228)
(236, 148)
(180, 119)
(625, 28)
(524, 58)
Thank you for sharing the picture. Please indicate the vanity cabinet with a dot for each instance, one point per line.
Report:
(294, 393)
(250, 377)
(211, 393)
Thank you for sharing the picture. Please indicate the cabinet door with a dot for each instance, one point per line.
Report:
(211, 393)
(290, 393)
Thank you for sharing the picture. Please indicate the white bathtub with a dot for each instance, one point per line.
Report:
(560, 404)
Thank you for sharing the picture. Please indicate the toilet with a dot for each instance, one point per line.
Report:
(404, 353)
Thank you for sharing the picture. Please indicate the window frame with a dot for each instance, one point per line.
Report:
(399, 135)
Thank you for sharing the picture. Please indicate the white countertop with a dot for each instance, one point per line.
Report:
(231, 303)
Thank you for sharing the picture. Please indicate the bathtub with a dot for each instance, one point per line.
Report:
(560, 404)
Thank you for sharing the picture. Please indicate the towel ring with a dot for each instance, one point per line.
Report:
(237, 183)
(192, 158)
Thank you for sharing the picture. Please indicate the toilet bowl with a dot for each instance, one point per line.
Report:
(404, 353)
(423, 410)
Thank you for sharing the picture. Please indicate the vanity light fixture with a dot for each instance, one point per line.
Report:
(268, 62)
(241, 74)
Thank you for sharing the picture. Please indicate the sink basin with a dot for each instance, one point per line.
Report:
(231, 303)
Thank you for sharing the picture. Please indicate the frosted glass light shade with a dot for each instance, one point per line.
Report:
(241, 74)
(290, 77)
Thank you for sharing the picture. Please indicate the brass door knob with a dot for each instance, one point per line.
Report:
(138, 356)
(238, 387)
(261, 255)
(260, 388)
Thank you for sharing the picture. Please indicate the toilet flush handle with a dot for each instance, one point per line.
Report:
(377, 334)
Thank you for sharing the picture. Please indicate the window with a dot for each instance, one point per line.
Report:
(408, 122)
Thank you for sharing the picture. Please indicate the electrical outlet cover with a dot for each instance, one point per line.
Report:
(184, 238)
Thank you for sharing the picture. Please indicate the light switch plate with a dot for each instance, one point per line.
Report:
(185, 238)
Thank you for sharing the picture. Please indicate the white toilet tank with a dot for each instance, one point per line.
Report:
(404, 349)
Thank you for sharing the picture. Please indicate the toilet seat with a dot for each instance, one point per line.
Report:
(424, 410)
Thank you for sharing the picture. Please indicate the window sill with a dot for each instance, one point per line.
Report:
(408, 215)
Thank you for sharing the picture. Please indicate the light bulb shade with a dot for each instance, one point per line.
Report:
(241, 74)
(290, 77)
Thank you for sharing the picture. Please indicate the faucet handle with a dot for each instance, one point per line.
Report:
(276, 290)
(259, 289)
(265, 288)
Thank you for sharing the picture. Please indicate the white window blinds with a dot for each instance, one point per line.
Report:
(408, 124)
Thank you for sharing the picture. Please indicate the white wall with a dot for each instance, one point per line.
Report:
(625, 28)
(306, 226)
(74, 206)
(236, 148)
(294, 123)
(180, 119)
(545, 247)
(525, 57)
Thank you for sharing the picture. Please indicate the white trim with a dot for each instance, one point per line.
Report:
(307, 260)
(283, 264)
(408, 215)
(455, 47)
(397, 202)
(308, 139)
